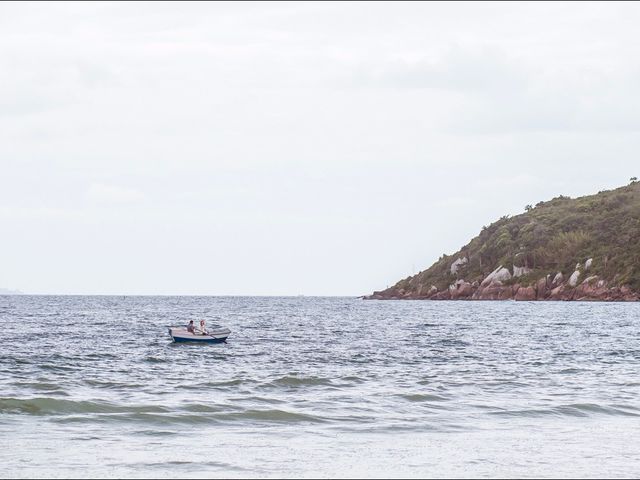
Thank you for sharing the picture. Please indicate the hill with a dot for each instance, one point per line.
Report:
(586, 248)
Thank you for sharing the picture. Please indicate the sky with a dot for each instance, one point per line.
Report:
(295, 148)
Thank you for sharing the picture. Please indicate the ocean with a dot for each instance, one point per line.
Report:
(92, 386)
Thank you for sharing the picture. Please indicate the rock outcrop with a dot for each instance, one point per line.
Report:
(500, 274)
(573, 279)
(455, 266)
(564, 249)
(557, 280)
(591, 289)
(520, 271)
(526, 294)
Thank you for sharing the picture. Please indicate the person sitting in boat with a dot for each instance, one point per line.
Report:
(203, 328)
(191, 327)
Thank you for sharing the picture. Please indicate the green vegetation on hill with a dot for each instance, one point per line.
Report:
(551, 237)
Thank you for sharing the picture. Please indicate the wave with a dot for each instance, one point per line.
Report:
(258, 399)
(452, 342)
(290, 381)
(144, 418)
(189, 465)
(422, 397)
(57, 406)
(572, 410)
(253, 417)
(275, 416)
(154, 359)
(51, 388)
(572, 370)
(69, 411)
(205, 385)
(112, 385)
(353, 379)
(201, 408)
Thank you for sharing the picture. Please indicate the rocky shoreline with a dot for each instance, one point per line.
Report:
(499, 285)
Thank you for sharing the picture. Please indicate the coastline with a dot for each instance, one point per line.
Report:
(591, 290)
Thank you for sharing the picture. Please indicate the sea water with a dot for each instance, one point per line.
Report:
(318, 387)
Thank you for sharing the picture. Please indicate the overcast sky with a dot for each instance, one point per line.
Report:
(285, 149)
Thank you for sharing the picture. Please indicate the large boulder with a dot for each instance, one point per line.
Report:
(558, 293)
(592, 288)
(500, 274)
(443, 295)
(526, 294)
(520, 271)
(573, 279)
(558, 279)
(628, 295)
(494, 292)
(542, 288)
(460, 262)
(461, 290)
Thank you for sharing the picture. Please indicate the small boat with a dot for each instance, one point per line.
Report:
(215, 334)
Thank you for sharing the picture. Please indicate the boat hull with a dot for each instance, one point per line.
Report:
(181, 335)
(205, 339)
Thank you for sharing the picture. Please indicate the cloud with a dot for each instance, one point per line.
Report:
(113, 194)
(489, 90)
(39, 213)
(457, 69)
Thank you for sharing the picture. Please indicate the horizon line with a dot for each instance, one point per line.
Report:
(19, 294)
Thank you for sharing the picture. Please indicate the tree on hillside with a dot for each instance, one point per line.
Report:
(634, 179)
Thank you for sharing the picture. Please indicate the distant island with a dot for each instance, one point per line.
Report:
(586, 248)
(6, 291)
